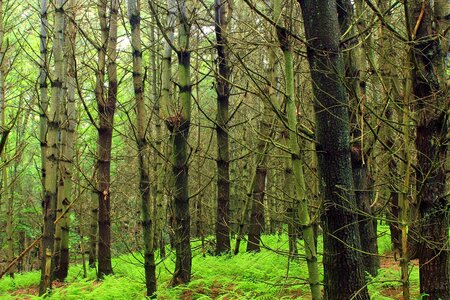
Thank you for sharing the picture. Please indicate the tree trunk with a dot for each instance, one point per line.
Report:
(43, 98)
(343, 268)
(52, 153)
(431, 94)
(164, 113)
(256, 225)
(298, 179)
(4, 170)
(390, 88)
(134, 9)
(258, 186)
(106, 109)
(68, 137)
(223, 155)
(354, 70)
(93, 223)
(179, 123)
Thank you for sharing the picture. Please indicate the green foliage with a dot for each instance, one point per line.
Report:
(384, 239)
(264, 275)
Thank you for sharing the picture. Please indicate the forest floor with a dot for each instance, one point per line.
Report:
(265, 275)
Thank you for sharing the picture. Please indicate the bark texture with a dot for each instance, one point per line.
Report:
(106, 108)
(52, 153)
(223, 151)
(343, 269)
(431, 104)
(143, 149)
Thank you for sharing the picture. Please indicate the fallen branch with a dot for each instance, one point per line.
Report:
(11, 264)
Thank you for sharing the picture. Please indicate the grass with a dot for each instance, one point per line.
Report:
(265, 275)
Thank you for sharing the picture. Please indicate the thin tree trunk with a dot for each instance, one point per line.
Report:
(4, 171)
(390, 94)
(258, 186)
(164, 108)
(298, 178)
(43, 98)
(222, 15)
(343, 268)
(134, 10)
(106, 109)
(256, 225)
(69, 137)
(159, 172)
(178, 123)
(51, 176)
(354, 69)
(93, 221)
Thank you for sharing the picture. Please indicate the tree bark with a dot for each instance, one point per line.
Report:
(354, 69)
(134, 9)
(106, 109)
(223, 155)
(69, 140)
(431, 104)
(52, 153)
(343, 268)
(179, 123)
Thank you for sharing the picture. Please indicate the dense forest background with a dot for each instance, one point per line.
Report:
(313, 133)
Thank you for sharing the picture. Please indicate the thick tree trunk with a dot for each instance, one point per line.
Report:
(70, 143)
(343, 268)
(431, 94)
(223, 154)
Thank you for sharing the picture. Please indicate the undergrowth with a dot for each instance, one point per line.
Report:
(265, 275)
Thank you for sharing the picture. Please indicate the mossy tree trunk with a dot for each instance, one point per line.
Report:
(298, 177)
(179, 123)
(43, 87)
(134, 8)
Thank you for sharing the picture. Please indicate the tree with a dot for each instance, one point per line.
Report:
(298, 178)
(343, 272)
(354, 60)
(134, 7)
(106, 108)
(222, 18)
(430, 91)
(52, 153)
(177, 116)
(69, 122)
